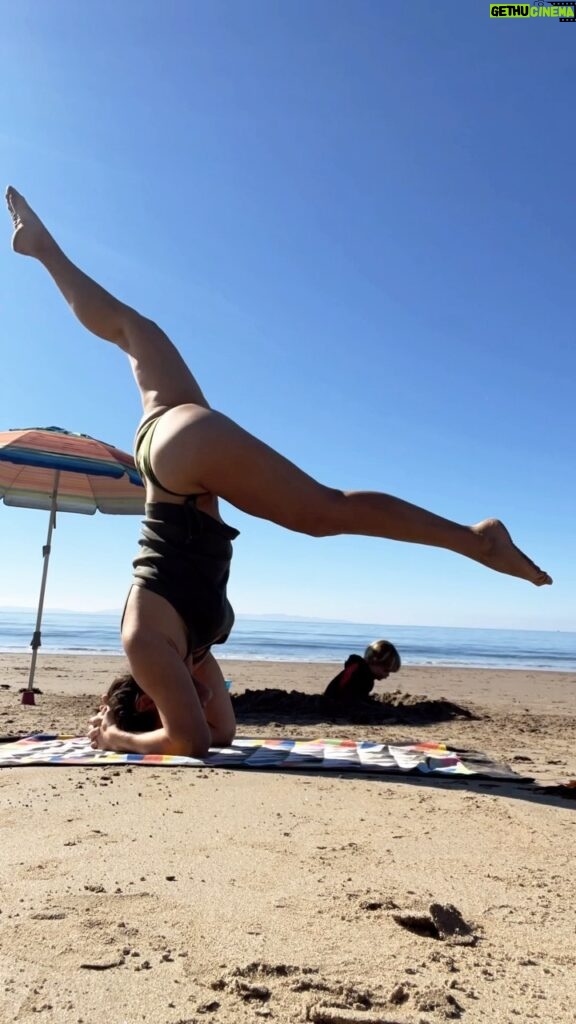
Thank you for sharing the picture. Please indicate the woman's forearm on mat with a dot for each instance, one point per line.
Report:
(156, 742)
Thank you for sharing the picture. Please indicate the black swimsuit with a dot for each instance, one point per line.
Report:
(185, 557)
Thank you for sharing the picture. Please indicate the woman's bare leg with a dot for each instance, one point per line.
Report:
(162, 375)
(196, 448)
(201, 447)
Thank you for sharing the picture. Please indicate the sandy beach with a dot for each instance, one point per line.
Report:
(178, 896)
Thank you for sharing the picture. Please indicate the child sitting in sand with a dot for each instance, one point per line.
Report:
(356, 681)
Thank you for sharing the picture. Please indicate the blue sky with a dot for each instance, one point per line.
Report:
(356, 220)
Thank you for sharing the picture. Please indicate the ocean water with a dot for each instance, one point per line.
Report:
(285, 639)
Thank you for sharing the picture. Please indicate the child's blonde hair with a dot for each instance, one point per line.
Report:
(382, 652)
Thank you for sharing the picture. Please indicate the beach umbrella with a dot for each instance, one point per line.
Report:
(52, 469)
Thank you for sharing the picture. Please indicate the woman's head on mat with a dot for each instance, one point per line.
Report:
(131, 708)
(383, 658)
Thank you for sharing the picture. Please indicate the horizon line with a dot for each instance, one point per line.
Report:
(283, 617)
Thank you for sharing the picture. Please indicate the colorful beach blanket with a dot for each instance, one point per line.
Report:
(340, 755)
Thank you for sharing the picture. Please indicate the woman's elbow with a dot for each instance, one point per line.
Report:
(187, 748)
(184, 744)
(198, 749)
(223, 737)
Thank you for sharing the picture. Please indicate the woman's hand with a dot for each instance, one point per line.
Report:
(102, 730)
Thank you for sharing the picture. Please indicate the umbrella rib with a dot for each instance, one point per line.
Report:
(93, 492)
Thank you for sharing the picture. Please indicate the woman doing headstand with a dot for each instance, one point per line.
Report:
(190, 455)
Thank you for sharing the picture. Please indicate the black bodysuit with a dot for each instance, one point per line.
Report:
(185, 557)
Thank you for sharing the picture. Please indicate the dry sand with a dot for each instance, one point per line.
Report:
(177, 896)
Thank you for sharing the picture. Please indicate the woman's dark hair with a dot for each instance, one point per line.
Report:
(382, 652)
(131, 708)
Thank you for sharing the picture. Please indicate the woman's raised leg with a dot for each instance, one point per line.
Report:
(162, 375)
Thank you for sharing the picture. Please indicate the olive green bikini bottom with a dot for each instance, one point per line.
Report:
(142, 459)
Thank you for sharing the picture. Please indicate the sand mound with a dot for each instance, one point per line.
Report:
(256, 707)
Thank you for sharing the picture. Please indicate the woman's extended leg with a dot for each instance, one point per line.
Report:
(196, 448)
(204, 446)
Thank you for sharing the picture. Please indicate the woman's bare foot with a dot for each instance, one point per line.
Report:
(499, 552)
(30, 237)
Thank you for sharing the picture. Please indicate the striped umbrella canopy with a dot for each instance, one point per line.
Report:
(58, 471)
(91, 475)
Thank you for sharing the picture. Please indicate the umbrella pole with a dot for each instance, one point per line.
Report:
(36, 642)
